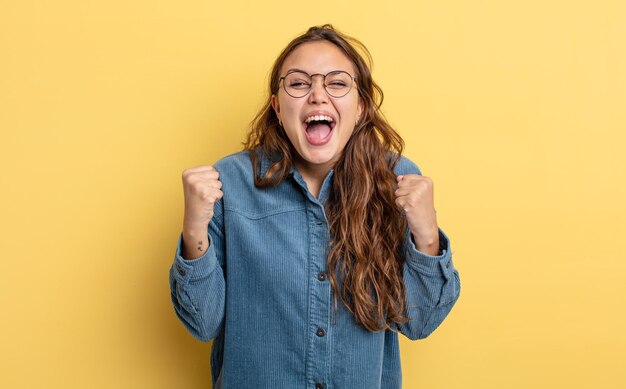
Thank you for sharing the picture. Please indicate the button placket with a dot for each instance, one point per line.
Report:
(318, 363)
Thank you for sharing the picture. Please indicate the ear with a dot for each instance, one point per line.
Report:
(276, 105)
(360, 108)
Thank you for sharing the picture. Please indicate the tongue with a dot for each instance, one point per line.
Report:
(318, 131)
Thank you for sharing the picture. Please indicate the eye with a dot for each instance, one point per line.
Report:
(297, 81)
(337, 84)
(298, 84)
(338, 80)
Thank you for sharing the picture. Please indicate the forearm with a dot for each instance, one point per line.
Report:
(432, 287)
(198, 290)
(195, 242)
(428, 246)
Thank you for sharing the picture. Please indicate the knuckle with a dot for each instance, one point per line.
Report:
(196, 186)
(421, 185)
(411, 202)
(192, 181)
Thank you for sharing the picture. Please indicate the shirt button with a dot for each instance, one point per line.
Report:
(319, 386)
(181, 270)
(320, 332)
(447, 264)
(321, 276)
(319, 222)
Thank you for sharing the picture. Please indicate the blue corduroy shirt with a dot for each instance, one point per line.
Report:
(261, 291)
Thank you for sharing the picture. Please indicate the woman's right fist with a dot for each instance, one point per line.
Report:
(202, 189)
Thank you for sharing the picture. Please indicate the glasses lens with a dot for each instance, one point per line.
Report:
(297, 84)
(338, 84)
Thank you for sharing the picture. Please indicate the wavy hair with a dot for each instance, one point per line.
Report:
(367, 228)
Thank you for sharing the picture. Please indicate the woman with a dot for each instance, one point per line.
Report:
(304, 255)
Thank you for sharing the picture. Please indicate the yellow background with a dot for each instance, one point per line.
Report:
(516, 109)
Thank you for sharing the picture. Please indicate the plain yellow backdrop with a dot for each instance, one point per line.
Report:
(516, 110)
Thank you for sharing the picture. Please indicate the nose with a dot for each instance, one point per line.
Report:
(318, 93)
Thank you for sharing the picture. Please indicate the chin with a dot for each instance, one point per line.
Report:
(319, 157)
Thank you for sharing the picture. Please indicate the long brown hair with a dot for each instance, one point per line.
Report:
(367, 228)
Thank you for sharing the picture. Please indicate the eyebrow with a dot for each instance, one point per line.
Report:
(296, 70)
(304, 71)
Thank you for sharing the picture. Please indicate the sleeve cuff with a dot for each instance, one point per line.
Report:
(435, 265)
(190, 269)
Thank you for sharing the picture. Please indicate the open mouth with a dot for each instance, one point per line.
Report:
(318, 129)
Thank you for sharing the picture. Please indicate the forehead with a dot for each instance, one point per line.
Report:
(318, 57)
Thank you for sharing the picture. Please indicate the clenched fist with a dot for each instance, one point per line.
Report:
(202, 189)
(415, 196)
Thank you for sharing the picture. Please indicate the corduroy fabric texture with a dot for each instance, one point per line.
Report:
(261, 292)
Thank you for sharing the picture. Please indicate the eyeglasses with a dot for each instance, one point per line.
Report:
(298, 84)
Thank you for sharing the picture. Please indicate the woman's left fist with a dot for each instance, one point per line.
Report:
(415, 196)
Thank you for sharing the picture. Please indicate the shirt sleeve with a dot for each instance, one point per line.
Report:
(198, 286)
(432, 287)
(431, 282)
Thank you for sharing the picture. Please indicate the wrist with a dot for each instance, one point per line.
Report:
(428, 244)
(195, 228)
(195, 243)
(197, 232)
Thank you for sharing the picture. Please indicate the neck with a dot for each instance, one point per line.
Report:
(313, 175)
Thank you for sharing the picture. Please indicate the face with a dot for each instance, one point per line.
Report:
(319, 145)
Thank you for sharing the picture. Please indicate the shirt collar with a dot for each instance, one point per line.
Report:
(265, 162)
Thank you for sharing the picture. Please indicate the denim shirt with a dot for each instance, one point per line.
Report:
(261, 291)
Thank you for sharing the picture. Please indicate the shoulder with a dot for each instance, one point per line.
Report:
(236, 171)
(406, 166)
(242, 197)
(236, 163)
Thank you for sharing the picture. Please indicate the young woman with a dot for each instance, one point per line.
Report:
(306, 254)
